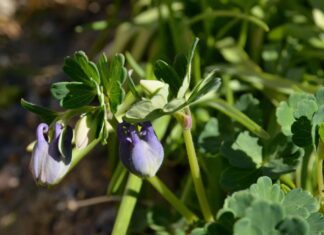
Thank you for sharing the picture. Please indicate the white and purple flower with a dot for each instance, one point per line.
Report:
(50, 161)
(140, 150)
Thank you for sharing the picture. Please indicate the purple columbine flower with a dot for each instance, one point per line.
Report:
(140, 151)
(48, 165)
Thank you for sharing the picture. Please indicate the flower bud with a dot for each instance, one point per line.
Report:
(47, 164)
(141, 152)
(85, 131)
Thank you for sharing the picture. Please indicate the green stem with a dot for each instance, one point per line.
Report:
(229, 91)
(186, 188)
(225, 13)
(127, 205)
(320, 157)
(172, 199)
(196, 176)
(286, 180)
(243, 35)
(116, 179)
(78, 154)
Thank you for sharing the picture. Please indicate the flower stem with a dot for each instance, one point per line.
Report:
(116, 179)
(127, 205)
(320, 157)
(196, 176)
(172, 199)
(78, 154)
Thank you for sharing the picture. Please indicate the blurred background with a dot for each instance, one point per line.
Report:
(263, 39)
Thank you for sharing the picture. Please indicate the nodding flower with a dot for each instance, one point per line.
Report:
(49, 162)
(140, 151)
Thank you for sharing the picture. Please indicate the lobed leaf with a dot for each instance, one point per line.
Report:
(73, 94)
(113, 75)
(45, 114)
(186, 81)
(165, 72)
(80, 69)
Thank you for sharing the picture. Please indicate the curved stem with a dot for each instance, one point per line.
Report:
(224, 13)
(196, 176)
(172, 199)
(127, 205)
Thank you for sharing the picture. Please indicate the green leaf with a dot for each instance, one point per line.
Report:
(235, 114)
(300, 203)
(285, 117)
(209, 84)
(165, 72)
(282, 156)
(80, 69)
(143, 111)
(316, 223)
(233, 179)
(302, 132)
(186, 81)
(174, 105)
(318, 118)
(265, 190)
(132, 86)
(265, 209)
(73, 94)
(156, 107)
(45, 114)
(293, 226)
(244, 153)
(151, 109)
(319, 95)
(261, 219)
(209, 140)
(113, 75)
(251, 107)
(305, 108)
(298, 105)
(180, 65)
(238, 203)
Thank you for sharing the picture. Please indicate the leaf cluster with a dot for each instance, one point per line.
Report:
(169, 96)
(301, 116)
(264, 208)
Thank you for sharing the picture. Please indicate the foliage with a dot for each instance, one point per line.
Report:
(251, 94)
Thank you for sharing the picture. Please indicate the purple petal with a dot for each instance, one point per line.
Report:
(46, 163)
(148, 134)
(143, 153)
(40, 151)
(146, 160)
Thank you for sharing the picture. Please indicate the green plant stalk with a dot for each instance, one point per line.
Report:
(225, 13)
(229, 91)
(116, 179)
(286, 180)
(237, 115)
(172, 199)
(78, 154)
(196, 176)
(304, 170)
(186, 189)
(320, 157)
(127, 205)
(243, 34)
